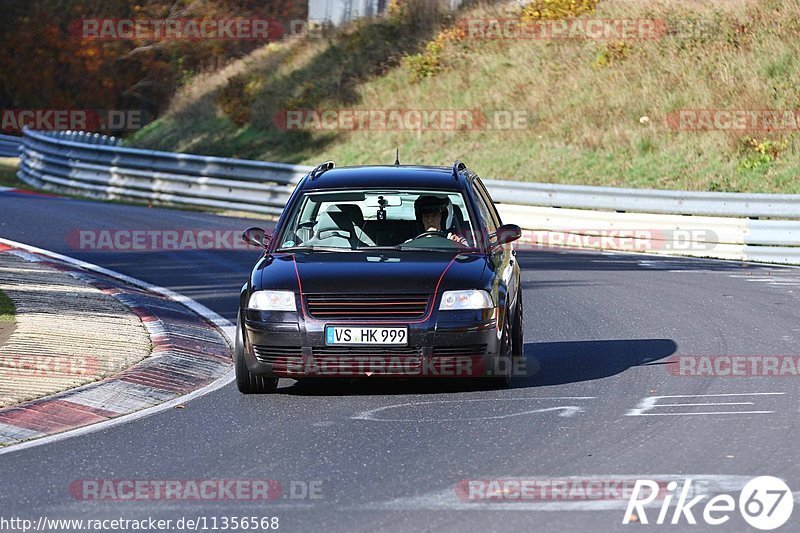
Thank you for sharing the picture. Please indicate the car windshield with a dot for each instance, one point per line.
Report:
(379, 219)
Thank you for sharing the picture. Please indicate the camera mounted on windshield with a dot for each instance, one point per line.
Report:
(382, 203)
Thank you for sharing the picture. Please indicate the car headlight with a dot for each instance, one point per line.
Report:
(471, 299)
(272, 301)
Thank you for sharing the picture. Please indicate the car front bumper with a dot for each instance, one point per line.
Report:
(450, 344)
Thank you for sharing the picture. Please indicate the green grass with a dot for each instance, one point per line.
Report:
(7, 309)
(8, 173)
(586, 99)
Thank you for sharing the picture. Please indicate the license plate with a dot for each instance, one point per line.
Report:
(365, 335)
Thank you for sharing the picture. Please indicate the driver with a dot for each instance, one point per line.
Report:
(431, 212)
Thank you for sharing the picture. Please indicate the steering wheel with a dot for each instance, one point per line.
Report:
(432, 233)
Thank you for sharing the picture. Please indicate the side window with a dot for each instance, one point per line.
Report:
(483, 210)
(488, 199)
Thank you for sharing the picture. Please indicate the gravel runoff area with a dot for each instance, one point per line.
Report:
(68, 332)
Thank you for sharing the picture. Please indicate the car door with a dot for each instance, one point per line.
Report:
(502, 256)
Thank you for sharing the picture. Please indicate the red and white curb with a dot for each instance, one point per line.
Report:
(191, 357)
(27, 191)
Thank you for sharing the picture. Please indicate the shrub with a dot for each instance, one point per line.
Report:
(613, 52)
(759, 153)
(429, 61)
(236, 100)
(557, 9)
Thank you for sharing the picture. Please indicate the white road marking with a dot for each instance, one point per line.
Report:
(782, 279)
(672, 265)
(648, 403)
(709, 413)
(725, 394)
(564, 410)
(227, 328)
(702, 404)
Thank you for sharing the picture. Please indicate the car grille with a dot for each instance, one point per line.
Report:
(367, 307)
(367, 351)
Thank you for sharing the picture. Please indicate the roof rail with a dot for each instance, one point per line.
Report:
(321, 169)
(458, 166)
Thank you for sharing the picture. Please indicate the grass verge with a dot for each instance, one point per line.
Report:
(7, 309)
(8, 173)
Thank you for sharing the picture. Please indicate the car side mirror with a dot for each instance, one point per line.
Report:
(507, 233)
(256, 236)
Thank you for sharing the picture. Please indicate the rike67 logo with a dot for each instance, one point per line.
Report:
(765, 503)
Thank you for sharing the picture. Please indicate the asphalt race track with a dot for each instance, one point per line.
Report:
(387, 455)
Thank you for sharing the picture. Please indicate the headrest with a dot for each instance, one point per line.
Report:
(353, 211)
(334, 218)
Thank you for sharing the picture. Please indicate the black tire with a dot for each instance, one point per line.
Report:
(518, 330)
(505, 359)
(246, 381)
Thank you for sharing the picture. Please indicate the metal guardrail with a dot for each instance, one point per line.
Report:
(743, 239)
(716, 204)
(9, 145)
(85, 165)
(97, 166)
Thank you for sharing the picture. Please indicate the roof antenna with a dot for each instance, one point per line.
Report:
(397, 158)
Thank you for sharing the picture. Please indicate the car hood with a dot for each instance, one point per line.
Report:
(379, 272)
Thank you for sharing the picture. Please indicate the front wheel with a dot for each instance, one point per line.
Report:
(246, 381)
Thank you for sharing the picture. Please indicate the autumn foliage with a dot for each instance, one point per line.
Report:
(43, 64)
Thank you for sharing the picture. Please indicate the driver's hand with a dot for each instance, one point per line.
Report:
(457, 239)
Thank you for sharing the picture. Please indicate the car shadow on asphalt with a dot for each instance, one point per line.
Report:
(383, 386)
(545, 363)
(558, 363)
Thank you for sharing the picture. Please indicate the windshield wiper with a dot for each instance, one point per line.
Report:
(401, 247)
(314, 248)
